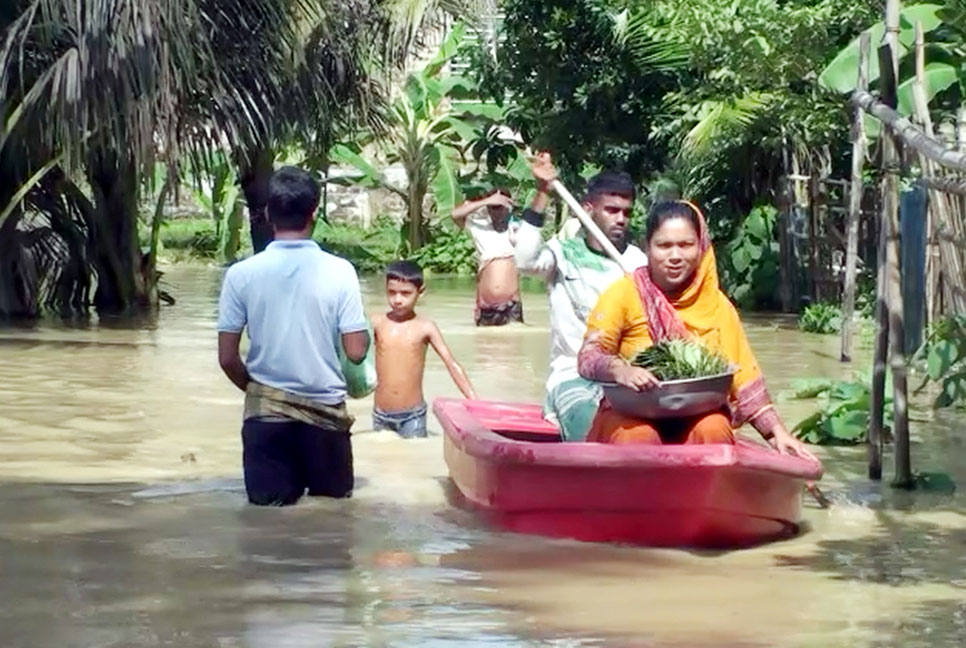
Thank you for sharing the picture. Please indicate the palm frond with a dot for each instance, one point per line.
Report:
(719, 117)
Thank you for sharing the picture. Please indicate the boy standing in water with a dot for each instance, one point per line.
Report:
(401, 340)
(297, 303)
(488, 222)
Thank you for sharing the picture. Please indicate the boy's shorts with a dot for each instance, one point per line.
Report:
(511, 311)
(409, 424)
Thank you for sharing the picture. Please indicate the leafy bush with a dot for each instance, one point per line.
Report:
(679, 359)
(369, 250)
(195, 235)
(843, 418)
(450, 250)
(945, 355)
(749, 265)
(821, 317)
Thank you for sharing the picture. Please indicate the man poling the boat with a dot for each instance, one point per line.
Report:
(576, 270)
(676, 296)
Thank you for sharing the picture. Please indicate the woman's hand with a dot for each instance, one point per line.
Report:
(636, 378)
(785, 443)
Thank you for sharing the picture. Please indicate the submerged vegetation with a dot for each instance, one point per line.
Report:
(821, 317)
(681, 359)
(843, 414)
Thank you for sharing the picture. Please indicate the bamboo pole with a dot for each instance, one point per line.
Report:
(893, 277)
(591, 227)
(855, 205)
(909, 133)
(889, 196)
(936, 212)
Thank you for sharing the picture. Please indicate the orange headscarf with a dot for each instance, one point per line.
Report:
(633, 314)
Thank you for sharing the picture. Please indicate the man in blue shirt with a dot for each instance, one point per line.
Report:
(297, 302)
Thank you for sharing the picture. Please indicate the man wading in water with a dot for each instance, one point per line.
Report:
(497, 282)
(577, 271)
(297, 303)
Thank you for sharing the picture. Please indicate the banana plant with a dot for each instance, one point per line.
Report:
(223, 201)
(429, 130)
(841, 74)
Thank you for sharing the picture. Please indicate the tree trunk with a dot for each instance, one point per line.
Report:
(117, 255)
(255, 171)
(414, 209)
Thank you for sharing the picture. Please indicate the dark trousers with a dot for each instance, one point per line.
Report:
(284, 459)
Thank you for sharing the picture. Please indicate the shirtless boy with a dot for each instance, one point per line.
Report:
(487, 220)
(401, 340)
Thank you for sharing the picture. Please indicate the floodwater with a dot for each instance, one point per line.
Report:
(123, 520)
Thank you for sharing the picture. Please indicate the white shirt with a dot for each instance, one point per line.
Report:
(576, 276)
(489, 243)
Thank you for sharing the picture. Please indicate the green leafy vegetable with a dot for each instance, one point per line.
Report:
(680, 359)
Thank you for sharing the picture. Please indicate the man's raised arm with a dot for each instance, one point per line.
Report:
(531, 255)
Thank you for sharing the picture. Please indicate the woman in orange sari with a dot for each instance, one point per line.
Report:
(675, 296)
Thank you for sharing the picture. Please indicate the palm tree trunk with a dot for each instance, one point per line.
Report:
(255, 171)
(120, 283)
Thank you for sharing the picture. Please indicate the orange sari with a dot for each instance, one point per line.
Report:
(633, 314)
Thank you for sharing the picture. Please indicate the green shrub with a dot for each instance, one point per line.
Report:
(843, 417)
(449, 251)
(945, 357)
(749, 266)
(821, 317)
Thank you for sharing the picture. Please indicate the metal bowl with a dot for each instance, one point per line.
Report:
(673, 398)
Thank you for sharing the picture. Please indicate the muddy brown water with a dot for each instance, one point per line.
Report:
(123, 520)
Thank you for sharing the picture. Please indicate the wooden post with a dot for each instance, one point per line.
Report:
(855, 205)
(903, 464)
(889, 203)
(936, 212)
(785, 265)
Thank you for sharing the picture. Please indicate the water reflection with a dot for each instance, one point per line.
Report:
(123, 523)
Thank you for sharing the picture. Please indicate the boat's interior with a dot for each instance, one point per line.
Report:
(514, 421)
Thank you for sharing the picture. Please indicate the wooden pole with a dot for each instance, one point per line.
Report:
(855, 205)
(889, 203)
(909, 133)
(591, 227)
(785, 241)
(938, 212)
(903, 464)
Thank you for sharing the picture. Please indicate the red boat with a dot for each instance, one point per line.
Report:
(508, 461)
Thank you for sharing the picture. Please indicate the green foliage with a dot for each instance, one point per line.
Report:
(944, 46)
(586, 81)
(191, 236)
(821, 317)
(369, 250)
(680, 359)
(945, 355)
(841, 74)
(843, 416)
(430, 126)
(450, 250)
(749, 265)
(221, 196)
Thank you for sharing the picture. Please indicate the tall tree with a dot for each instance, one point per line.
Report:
(103, 89)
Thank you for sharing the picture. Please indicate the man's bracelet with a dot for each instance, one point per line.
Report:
(532, 217)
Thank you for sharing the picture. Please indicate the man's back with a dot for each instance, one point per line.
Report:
(296, 301)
